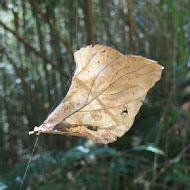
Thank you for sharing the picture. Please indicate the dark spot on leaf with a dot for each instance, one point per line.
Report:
(98, 62)
(124, 111)
(61, 126)
(93, 128)
(103, 51)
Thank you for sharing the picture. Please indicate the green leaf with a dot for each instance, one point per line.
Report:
(2, 185)
(149, 147)
(175, 160)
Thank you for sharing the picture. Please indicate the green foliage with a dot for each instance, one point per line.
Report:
(71, 169)
(80, 166)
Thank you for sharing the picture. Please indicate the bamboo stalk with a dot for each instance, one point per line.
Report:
(34, 50)
(53, 28)
(90, 21)
(42, 47)
(26, 84)
(131, 27)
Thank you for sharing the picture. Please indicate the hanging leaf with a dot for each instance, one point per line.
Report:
(107, 91)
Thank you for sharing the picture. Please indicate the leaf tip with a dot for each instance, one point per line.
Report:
(37, 130)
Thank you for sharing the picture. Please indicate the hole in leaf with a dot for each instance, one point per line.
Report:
(62, 126)
(93, 128)
(124, 111)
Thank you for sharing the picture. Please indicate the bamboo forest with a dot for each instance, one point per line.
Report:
(38, 41)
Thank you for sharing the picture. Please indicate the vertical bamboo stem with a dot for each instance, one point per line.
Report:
(131, 27)
(90, 21)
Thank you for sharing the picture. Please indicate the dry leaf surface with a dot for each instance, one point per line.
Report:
(107, 91)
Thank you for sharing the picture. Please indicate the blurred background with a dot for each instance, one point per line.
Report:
(37, 41)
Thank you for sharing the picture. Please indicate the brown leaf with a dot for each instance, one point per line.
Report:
(107, 91)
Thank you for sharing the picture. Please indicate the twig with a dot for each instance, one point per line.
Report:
(168, 164)
(161, 125)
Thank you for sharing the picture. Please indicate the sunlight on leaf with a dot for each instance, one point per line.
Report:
(107, 91)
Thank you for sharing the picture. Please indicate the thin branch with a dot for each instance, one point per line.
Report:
(131, 27)
(168, 164)
(53, 28)
(161, 126)
(26, 84)
(37, 52)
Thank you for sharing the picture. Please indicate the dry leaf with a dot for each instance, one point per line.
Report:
(186, 106)
(107, 91)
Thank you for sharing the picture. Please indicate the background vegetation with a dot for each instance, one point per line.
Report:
(37, 41)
